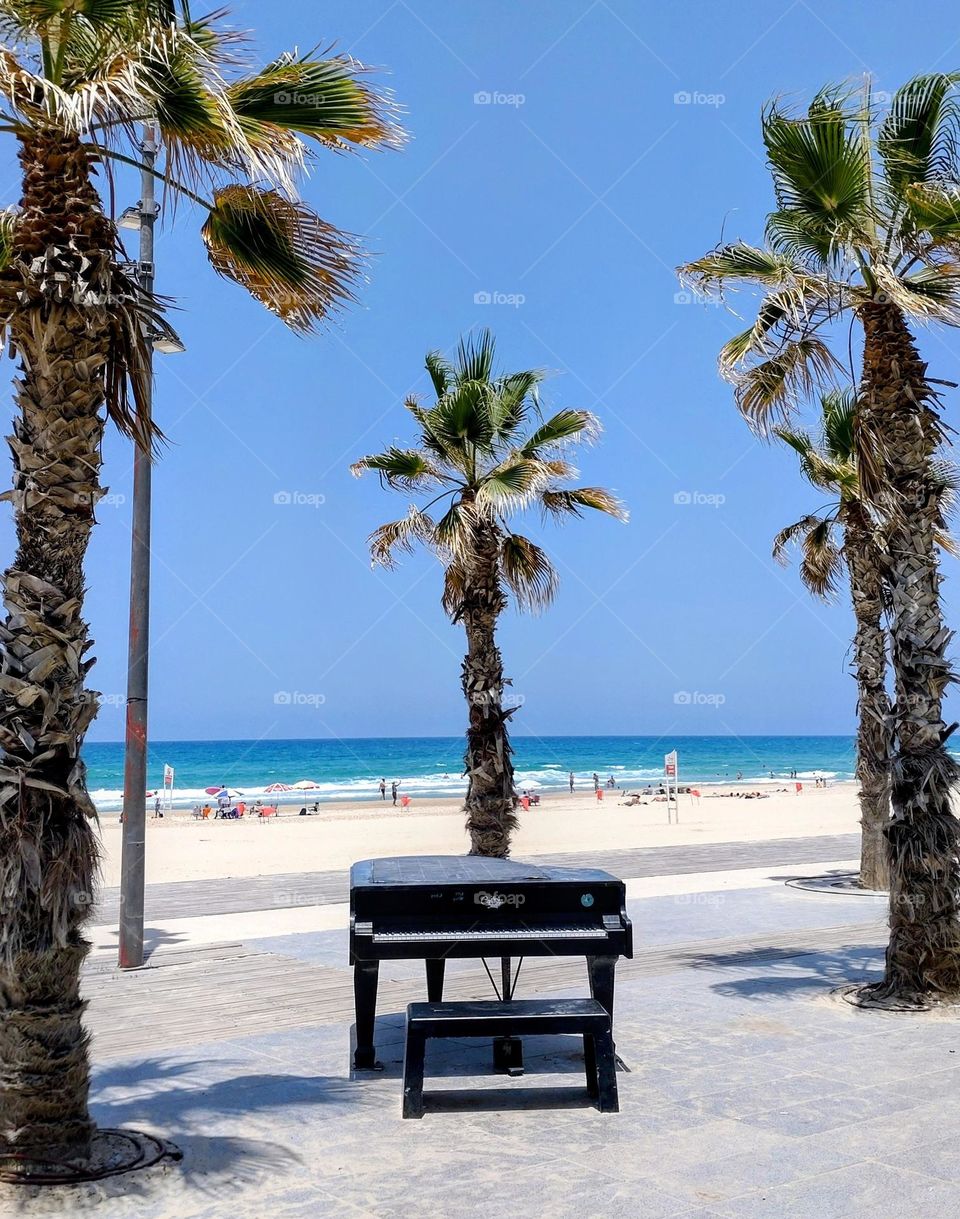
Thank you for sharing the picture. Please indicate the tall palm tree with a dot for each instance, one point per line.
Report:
(485, 453)
(867, 224)
(77, 80)
(845, 536)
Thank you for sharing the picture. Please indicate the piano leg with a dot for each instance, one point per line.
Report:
(365, 977)
(507, 1051)
(602, 973)
(435, 966)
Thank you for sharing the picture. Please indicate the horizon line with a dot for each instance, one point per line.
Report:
(586, 736)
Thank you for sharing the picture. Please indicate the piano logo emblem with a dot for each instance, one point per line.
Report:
(586, 899)
(493, 901)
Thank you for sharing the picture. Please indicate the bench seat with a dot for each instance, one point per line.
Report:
(584, 1017)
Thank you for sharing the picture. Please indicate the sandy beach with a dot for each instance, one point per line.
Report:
(180, 848)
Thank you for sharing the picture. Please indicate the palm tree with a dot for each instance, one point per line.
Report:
(77, 80)
(867, 224)
(844, 535)
(847, 535)
(475, 456)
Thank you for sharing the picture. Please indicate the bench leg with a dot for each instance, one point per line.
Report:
(413, 1055)
(606, 1073)
(435, 967)
(590, 1066)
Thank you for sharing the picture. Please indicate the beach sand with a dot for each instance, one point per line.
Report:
(179, 848)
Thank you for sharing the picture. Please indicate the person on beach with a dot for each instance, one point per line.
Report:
(383, 789)
(611, 782)
(739, 775)
(599, 793)
(571, 782)
(596, 781)
(393, 792)
(156, 807)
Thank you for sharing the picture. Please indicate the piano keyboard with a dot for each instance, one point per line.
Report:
(512, 932)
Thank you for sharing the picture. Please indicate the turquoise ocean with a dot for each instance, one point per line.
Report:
(431, 766)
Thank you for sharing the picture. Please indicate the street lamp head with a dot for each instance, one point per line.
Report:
(168, 344)
(129, 218)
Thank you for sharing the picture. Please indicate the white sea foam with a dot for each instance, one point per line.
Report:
(546, 777)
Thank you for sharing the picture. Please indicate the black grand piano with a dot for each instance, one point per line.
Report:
(432, 907)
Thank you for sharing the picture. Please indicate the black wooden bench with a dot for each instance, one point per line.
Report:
(585, 1017)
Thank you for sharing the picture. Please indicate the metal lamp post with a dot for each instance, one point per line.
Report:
(133, 857)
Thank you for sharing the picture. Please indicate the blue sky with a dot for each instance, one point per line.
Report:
(577, 188)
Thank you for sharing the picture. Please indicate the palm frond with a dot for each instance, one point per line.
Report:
(452, 532)
(401, 535)
(935, 209)
(527, 572)
(572, 502)
(8, 228)
(772, 387)
(403, 469)
(930, 294)
(839, 412)
(918, 139)
(796, 234)
(441, 372)
(514, 396)
(512, 484)
(820, 163)
(737, 261)
(462, 417)
(789, 535)
(822, 565)
(564, 425)
(475, 357)
(447, 454)
(297, 265)
(327, 100)
(197, 127)
(454, 590)
(787, 313)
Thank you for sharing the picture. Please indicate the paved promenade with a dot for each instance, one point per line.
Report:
(750, 1091)
(230, 896)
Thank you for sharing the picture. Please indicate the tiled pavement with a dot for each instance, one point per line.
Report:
(750, 1092)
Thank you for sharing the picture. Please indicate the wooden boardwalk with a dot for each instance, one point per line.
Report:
(230, 895)
(188, 997)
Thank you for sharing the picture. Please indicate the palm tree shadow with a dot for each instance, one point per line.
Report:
(177, 1100)
(790, 971)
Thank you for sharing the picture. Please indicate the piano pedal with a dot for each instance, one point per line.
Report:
(508, 1055)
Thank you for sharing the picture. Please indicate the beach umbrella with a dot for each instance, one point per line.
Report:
(305, 785)
(277, 787)
(230, 792)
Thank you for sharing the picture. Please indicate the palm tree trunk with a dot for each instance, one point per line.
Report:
(873, 702)
(48, 850)
(491, 800)
(899, 436)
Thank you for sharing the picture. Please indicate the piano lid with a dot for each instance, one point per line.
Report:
(462, 870)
